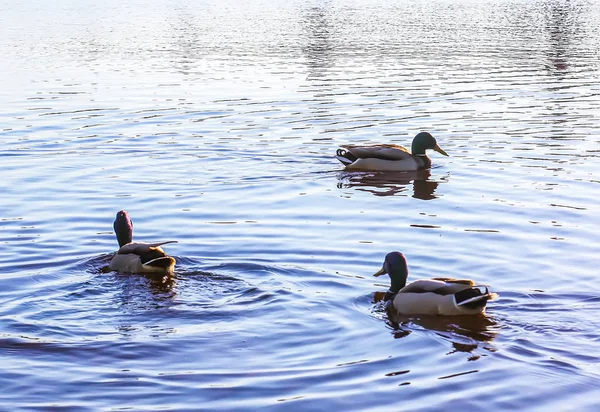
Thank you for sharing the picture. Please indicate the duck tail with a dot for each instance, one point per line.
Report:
(345, 157)
(474, 297)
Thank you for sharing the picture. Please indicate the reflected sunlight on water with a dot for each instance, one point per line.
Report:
(216, 125)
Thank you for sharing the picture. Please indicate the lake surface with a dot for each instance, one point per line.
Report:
(215, 124)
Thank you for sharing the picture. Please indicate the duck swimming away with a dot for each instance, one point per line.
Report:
(138, 257)
(390, 157)
(437, 296)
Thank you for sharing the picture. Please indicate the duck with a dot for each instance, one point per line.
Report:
(390, 157)
(437, 296)
(138, 257)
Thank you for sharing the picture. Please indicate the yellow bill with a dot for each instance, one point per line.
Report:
(440, 150)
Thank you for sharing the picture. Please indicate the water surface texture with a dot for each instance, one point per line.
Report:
(215, 124)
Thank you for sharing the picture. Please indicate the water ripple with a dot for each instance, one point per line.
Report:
(216, 126)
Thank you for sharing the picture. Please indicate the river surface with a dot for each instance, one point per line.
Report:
(215, 124)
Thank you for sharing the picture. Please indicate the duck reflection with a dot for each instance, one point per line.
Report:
(465, 333)
(391, 183)
(318, 49)
(562, 24)
(142, 294)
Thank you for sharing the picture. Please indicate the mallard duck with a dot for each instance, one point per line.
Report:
(390, 157)
(138, 257)
(437, 296)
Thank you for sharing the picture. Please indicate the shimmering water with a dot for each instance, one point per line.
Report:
(215, 124)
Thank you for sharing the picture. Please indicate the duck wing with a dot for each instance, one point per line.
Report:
(467, 282)
(138, 248)
(439, 286)
(146, 252)
(380, 151)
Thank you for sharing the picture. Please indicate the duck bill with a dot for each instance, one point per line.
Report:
(440, 150)
(380, 272)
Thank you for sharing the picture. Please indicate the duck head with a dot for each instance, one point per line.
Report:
(123, 228)
(395, 266)
(424, 141)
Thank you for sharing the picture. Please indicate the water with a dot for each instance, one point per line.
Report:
(216, 125)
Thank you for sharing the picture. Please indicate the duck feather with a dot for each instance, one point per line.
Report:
(379, 151)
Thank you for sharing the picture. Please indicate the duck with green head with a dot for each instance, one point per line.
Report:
(437, 296)
(138, 257)
(390, 157)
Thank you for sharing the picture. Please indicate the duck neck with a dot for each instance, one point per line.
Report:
(124, 234)
(124, 238)
(398, 280)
